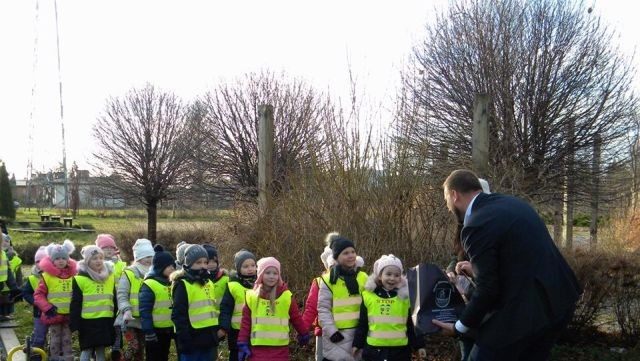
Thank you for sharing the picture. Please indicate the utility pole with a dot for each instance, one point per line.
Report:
(266, 134)
(480, 139)
(64, 151)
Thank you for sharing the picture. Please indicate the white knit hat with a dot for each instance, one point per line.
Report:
(142, 249)
(384, 261)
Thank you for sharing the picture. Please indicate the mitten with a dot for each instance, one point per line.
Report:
(303, 340)
(243, 351)
(52, 312)
(127, 316)
(336, 337)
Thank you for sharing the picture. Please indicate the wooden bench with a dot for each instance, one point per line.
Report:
(69, 221)
(44, 217)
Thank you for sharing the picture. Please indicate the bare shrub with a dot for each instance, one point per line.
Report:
(365, 190)
(593, 270)
(626, 296)
(169, 235)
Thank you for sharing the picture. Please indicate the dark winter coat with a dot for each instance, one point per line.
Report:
(147, 300)
(188, 339)
(383, 353)
(91, 332)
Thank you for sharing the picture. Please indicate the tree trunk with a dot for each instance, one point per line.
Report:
(152, 220)
(570, 186)
(557, 219)
(595, 192)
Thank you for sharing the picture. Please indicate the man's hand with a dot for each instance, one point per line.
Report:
(447, 329)
(464, 267)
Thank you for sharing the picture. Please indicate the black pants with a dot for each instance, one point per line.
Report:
(159, 350)
(537, 347)
(232, 342)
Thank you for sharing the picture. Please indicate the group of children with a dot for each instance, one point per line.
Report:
(136, 310)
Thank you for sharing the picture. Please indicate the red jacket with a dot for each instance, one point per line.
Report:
(269, 353)
(310, 314)
(41, 292)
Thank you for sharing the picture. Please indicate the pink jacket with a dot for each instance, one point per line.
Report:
(310, 314)
(41, 292)
(269, 353)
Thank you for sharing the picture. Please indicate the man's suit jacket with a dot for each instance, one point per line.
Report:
(524, 282)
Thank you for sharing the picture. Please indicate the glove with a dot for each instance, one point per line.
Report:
(15, 295)
(52, 312)
(151, 337)
(243, 351)
(336, 337)
(303, 340)
(127, 316)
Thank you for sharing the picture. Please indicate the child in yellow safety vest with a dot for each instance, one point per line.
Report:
(310, 314)
(128, 302)
(39, 334)
(385, 330)
(241, 280)
(268, 310)
(107, 243)
(339, 300)
(219, 280)
(9, 280)
(193, 313)
(53, 298)
(93, 303)
(155, 306)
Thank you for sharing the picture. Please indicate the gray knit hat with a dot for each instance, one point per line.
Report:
(180, 248)
(241, 256)
(193, 253)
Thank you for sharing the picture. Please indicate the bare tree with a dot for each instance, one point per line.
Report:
(144, 140)
(545, 64)
(226, 159)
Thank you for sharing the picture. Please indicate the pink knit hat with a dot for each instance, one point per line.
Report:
(263, 264)
(40, 254)
(106, 240)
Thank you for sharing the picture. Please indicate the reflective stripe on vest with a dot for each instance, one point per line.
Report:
(387, 320)
(201, 311)
(161, 313)
(345, 308)
(118, 268)
(238, 292)
(97, 298)
(33, 281)
(4, 266)
(135, 284)
(14, 264)
(58, 292)
(269, 328)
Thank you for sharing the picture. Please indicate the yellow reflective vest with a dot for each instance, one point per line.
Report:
(238, 292)
(59, 292)
(15, 264)
(118, 268)
(202, 313)
(387, 320)
(219, 287)
(97, 297)
(4, 266)
(269, 327)
(134, 289)
(33, 281)
(346, 308)
(161, 313)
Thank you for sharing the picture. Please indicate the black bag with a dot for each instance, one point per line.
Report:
(432, 296)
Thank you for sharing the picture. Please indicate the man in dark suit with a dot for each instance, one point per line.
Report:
(526, 292)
